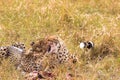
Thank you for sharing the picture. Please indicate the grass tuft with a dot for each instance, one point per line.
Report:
(74, 21)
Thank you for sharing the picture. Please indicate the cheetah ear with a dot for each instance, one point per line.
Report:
(32, 43)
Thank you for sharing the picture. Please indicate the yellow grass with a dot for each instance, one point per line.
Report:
(73, 21)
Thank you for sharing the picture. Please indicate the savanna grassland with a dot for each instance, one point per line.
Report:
(74, 21)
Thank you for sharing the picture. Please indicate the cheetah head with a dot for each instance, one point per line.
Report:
(49, 44)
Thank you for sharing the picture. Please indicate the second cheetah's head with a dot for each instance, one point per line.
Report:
(49, 44)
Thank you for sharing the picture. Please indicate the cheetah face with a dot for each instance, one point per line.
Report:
(49, 45)
(39, 46)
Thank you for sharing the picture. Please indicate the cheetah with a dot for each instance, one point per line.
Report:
(45, 54)
(50, 49)
(10, 52)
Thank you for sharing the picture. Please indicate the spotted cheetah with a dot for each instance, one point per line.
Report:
(10, 51)
(45, 54)
(50, 51)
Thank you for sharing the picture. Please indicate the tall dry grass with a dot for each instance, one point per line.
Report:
(74, 21)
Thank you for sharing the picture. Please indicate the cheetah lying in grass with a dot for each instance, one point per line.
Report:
(10, 51)
(44, 55)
